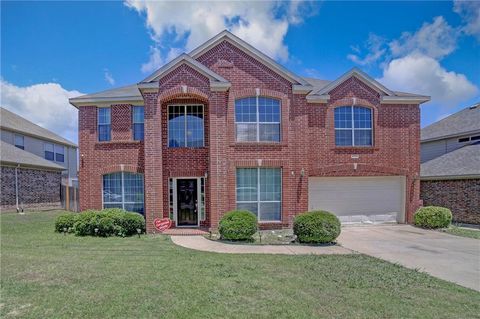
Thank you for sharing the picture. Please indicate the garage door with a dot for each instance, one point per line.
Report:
(359, 199)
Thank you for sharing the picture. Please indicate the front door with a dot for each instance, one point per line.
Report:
(187, 199)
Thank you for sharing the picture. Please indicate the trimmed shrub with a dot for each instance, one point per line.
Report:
(106, 227)
(65, 221)
(316, 227)
(108, 222)
(132, 222)
(86, 222)
(238, 225)
(433, 217)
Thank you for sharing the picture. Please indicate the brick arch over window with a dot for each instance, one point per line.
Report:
(121, 167)
(252, 92)
(330, 122)
(182, 91)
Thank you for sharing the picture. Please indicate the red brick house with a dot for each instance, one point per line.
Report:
(225, 126)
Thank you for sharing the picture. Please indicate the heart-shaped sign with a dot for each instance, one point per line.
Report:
(162, 224)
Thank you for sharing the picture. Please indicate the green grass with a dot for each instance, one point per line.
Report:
(461, 231)
(49, 275)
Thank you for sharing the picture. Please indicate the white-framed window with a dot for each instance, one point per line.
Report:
(257, 119)
(59, 153)
(123, 190)
(259, 190)
(138, 122)
(49, 151)
(19, 141)
(185, 126)
(353, 126)
(104, 124)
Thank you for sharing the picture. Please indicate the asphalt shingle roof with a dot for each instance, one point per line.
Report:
(13, 122)
(464, 161)
(124, 91)
(10, 154)
(463, 122)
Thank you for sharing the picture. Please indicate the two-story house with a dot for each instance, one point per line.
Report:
(33, 160)
(227, 127)
(450, 169)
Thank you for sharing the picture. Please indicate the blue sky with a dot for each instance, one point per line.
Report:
(54, 50)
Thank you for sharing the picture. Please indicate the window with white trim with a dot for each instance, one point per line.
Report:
(137, 123)
(185, 126)
(257, 119)
(49, 151)
(19, 141)
(353, 126)
(104, 124)
(59, 153)
(259, 190)
(123, 190)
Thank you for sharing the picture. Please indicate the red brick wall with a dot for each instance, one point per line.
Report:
(307, 139)
(461, 196)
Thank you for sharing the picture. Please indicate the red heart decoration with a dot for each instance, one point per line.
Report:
(162, 224)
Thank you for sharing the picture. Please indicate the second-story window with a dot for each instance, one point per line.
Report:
(104, 124)
(59, 153)
(137, 121)
(49, 151)
(353, 126)
(19, 141)
(185, 126)
(257, 119)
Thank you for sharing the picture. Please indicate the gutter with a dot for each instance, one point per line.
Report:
(449, 177)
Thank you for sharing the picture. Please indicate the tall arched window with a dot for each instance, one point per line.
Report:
(123, 190)
(257, 119)
(353, 126)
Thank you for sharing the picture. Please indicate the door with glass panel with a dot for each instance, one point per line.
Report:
(187, 202)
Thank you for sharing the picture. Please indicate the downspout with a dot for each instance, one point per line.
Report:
(16, 187)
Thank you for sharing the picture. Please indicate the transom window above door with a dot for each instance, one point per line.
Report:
(185, 126)
(353, 126)
(257, 119)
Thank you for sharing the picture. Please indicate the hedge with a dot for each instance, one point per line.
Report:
(433, 217)
(238, 225)
(316, 227)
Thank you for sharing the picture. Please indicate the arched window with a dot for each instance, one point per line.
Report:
(257, 119)
(123, 190)
(353, 126)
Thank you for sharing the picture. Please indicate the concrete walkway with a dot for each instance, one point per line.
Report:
(203, 244)
(449, 257)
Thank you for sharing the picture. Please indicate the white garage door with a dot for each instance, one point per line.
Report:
(359, 199)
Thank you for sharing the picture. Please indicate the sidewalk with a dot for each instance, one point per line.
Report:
(203, 244)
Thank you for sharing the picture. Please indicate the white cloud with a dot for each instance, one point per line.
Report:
(185, 25)
(376, 47)
(424, 75)
(43, 104)
(108, 77)
(436, 40)
(470, 13)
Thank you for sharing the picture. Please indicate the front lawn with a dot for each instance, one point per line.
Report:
(462, 231)
(49, 275)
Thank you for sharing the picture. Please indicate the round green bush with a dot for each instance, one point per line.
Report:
(316, 227)
(132, 222)
(238, 225)
(86, 222)
(106, 227)
(433, 217)
(65, 221)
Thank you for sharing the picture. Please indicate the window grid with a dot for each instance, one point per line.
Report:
(49, 151)
(19, 141)
(257, 119)
(123, 190)
(265, 192)
(59, 153)
(185, 126)
(104, 124)
(353, 126)
(138, 116)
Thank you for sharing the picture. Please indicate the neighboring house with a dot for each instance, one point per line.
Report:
(30, 137)
(27, 181)
(450, 170)
(226, 127)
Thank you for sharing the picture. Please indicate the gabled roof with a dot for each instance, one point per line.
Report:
(11, 155)
(129, 93)
(184, 59)
(461, 163)
(225, 35)
(321, 90)
(464, 122)
(15, 123)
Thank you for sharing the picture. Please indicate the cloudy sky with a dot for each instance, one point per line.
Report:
(51, 51)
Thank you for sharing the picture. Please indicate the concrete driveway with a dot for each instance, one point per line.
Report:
(449, 257)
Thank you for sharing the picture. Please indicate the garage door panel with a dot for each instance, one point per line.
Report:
(359, 199)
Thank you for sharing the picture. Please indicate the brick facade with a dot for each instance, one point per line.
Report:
(37, 189)
(307, 139)
(461, 196)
